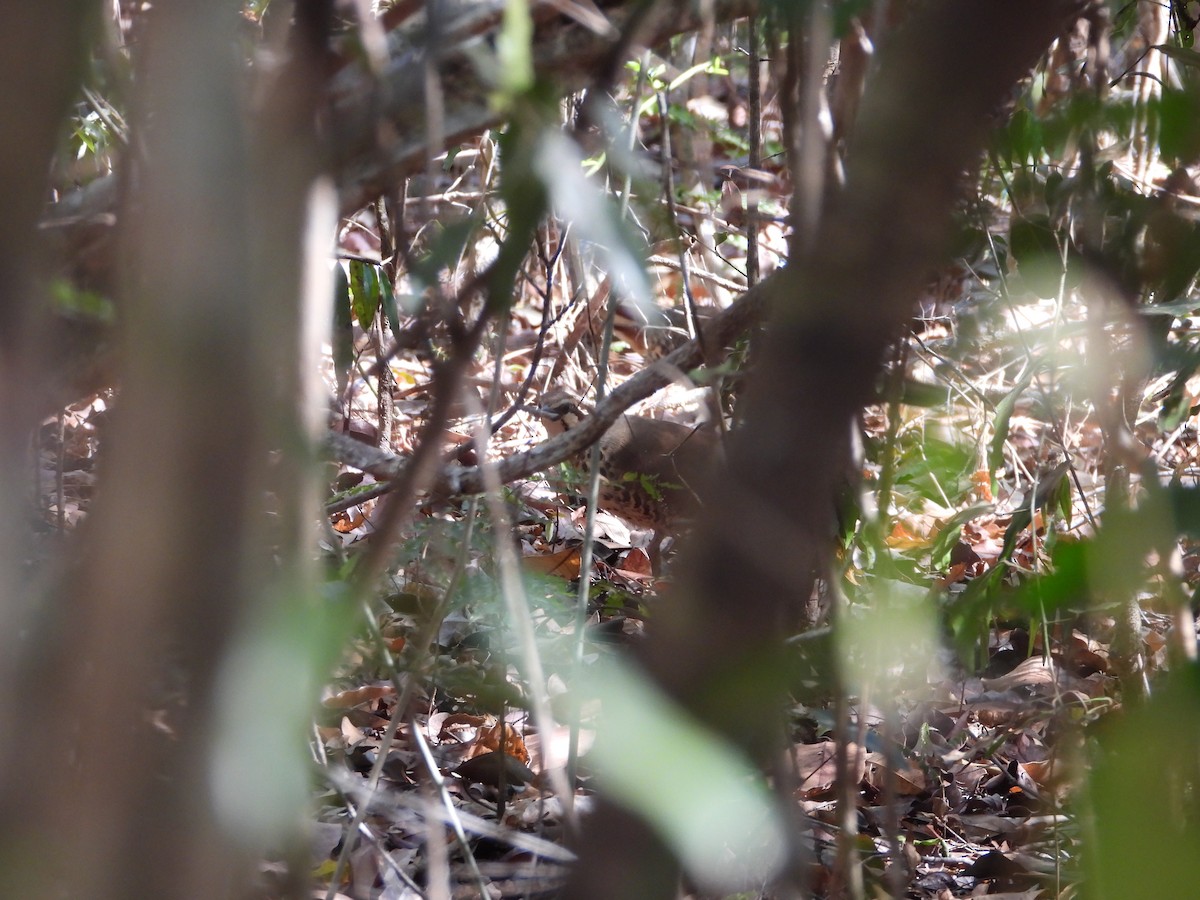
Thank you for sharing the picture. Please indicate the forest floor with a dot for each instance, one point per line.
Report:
(964, 754)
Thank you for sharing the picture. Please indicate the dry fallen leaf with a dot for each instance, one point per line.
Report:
(564, 564)
(488, 741)
(637, 562)
(902, 538)
(1035, 670)
(908, 781)
(358, 696)
(816, 766)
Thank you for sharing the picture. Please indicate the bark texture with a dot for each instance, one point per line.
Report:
(176, 555)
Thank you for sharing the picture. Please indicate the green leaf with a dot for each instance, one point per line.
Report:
(1066, 586)
(968, 614)
(364, 292)
(880, 642)
(950, 532)
(521, 189)
(1142, 809)
(389, 303)
(343, 330)
(1179, 122)
(285, 650)
(514, 49)
(1004, 411)
(1024, 138)
(1064, 501)
(1177, 310)
(700, 793)
(922, 394)
(1181, 55)
(76, 303)
(1185, 509)
(1112, 565)
(938, 469)
(1045, 496)
(559, 165)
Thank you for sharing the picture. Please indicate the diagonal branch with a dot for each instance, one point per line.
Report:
(720, 331)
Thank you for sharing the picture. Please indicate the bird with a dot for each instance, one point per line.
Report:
(652, 472)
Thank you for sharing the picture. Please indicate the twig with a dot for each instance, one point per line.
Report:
(724, 327)
(755, 140)
(513, 591)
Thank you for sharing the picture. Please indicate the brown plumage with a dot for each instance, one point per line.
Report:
(650, 470)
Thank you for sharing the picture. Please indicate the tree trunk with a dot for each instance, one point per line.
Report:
(176, 557)
(751, 564)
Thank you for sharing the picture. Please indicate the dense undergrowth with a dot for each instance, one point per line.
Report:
(995, 681)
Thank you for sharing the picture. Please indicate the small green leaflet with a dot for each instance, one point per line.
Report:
(365, 294)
